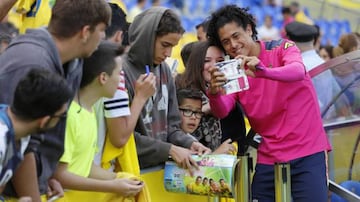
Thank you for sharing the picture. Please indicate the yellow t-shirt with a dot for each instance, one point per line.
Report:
(30, 14)
(194, 188)
(80, 140)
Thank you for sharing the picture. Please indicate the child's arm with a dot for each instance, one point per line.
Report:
(124, 186)
(120, 128)
(26, 172)
(101, 174)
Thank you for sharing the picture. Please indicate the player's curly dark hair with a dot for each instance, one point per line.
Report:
(227, 14)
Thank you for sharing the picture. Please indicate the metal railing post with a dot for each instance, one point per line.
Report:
(242, 188)
(282, 182)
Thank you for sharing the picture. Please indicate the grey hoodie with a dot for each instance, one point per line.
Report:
(36, 49)
(159, 122)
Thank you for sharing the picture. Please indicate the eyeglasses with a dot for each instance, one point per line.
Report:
(61, 116)
(189, 113)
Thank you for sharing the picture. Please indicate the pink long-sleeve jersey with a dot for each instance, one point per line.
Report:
(281, 105)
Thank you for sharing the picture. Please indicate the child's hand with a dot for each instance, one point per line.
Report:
(217, 81)
(145, 86)
(126, 187)
(225, 148)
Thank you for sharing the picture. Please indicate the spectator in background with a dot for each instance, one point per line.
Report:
(186, 51)
(120, 3)
(287, 18)
(326, 52)
(29, 14)
(299, 14)
(347, 43)
(318, 37)
(201, 30)
(267, 31)
(345, 74)
(117, 32)
(136, 10)
(304, 36)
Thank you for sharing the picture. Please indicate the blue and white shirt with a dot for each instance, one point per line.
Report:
(10, 155)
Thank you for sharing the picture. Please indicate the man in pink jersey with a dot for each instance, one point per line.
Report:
(281, 106)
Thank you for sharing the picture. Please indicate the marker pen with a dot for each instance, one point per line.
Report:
(147, 70)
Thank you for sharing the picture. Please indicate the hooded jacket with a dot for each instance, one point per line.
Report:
(36, 49)
(159, 123)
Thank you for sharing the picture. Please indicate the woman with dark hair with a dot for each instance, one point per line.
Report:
(326, 52)
(212, 131)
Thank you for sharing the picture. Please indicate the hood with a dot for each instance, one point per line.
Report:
(42, 38)
(143, 31)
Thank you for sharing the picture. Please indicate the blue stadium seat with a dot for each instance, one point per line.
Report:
(345, 24)
(258, 14)
(232, 2)
(191, 6)
(218, 3)
(186, 22)
(129, 4)
(333, 39)
(206, 7)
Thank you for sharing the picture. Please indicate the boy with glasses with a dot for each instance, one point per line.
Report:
(190, 105)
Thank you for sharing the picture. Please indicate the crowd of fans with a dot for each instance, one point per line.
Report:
(86, 90)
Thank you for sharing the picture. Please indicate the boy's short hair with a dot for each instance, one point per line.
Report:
(102, 60)
(204, 24)
(169, 23)
(118, 22)
(40, 93)
(70, 16)
(186, 93)
(228, 14)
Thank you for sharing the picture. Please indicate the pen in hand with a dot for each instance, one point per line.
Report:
(147, 70)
